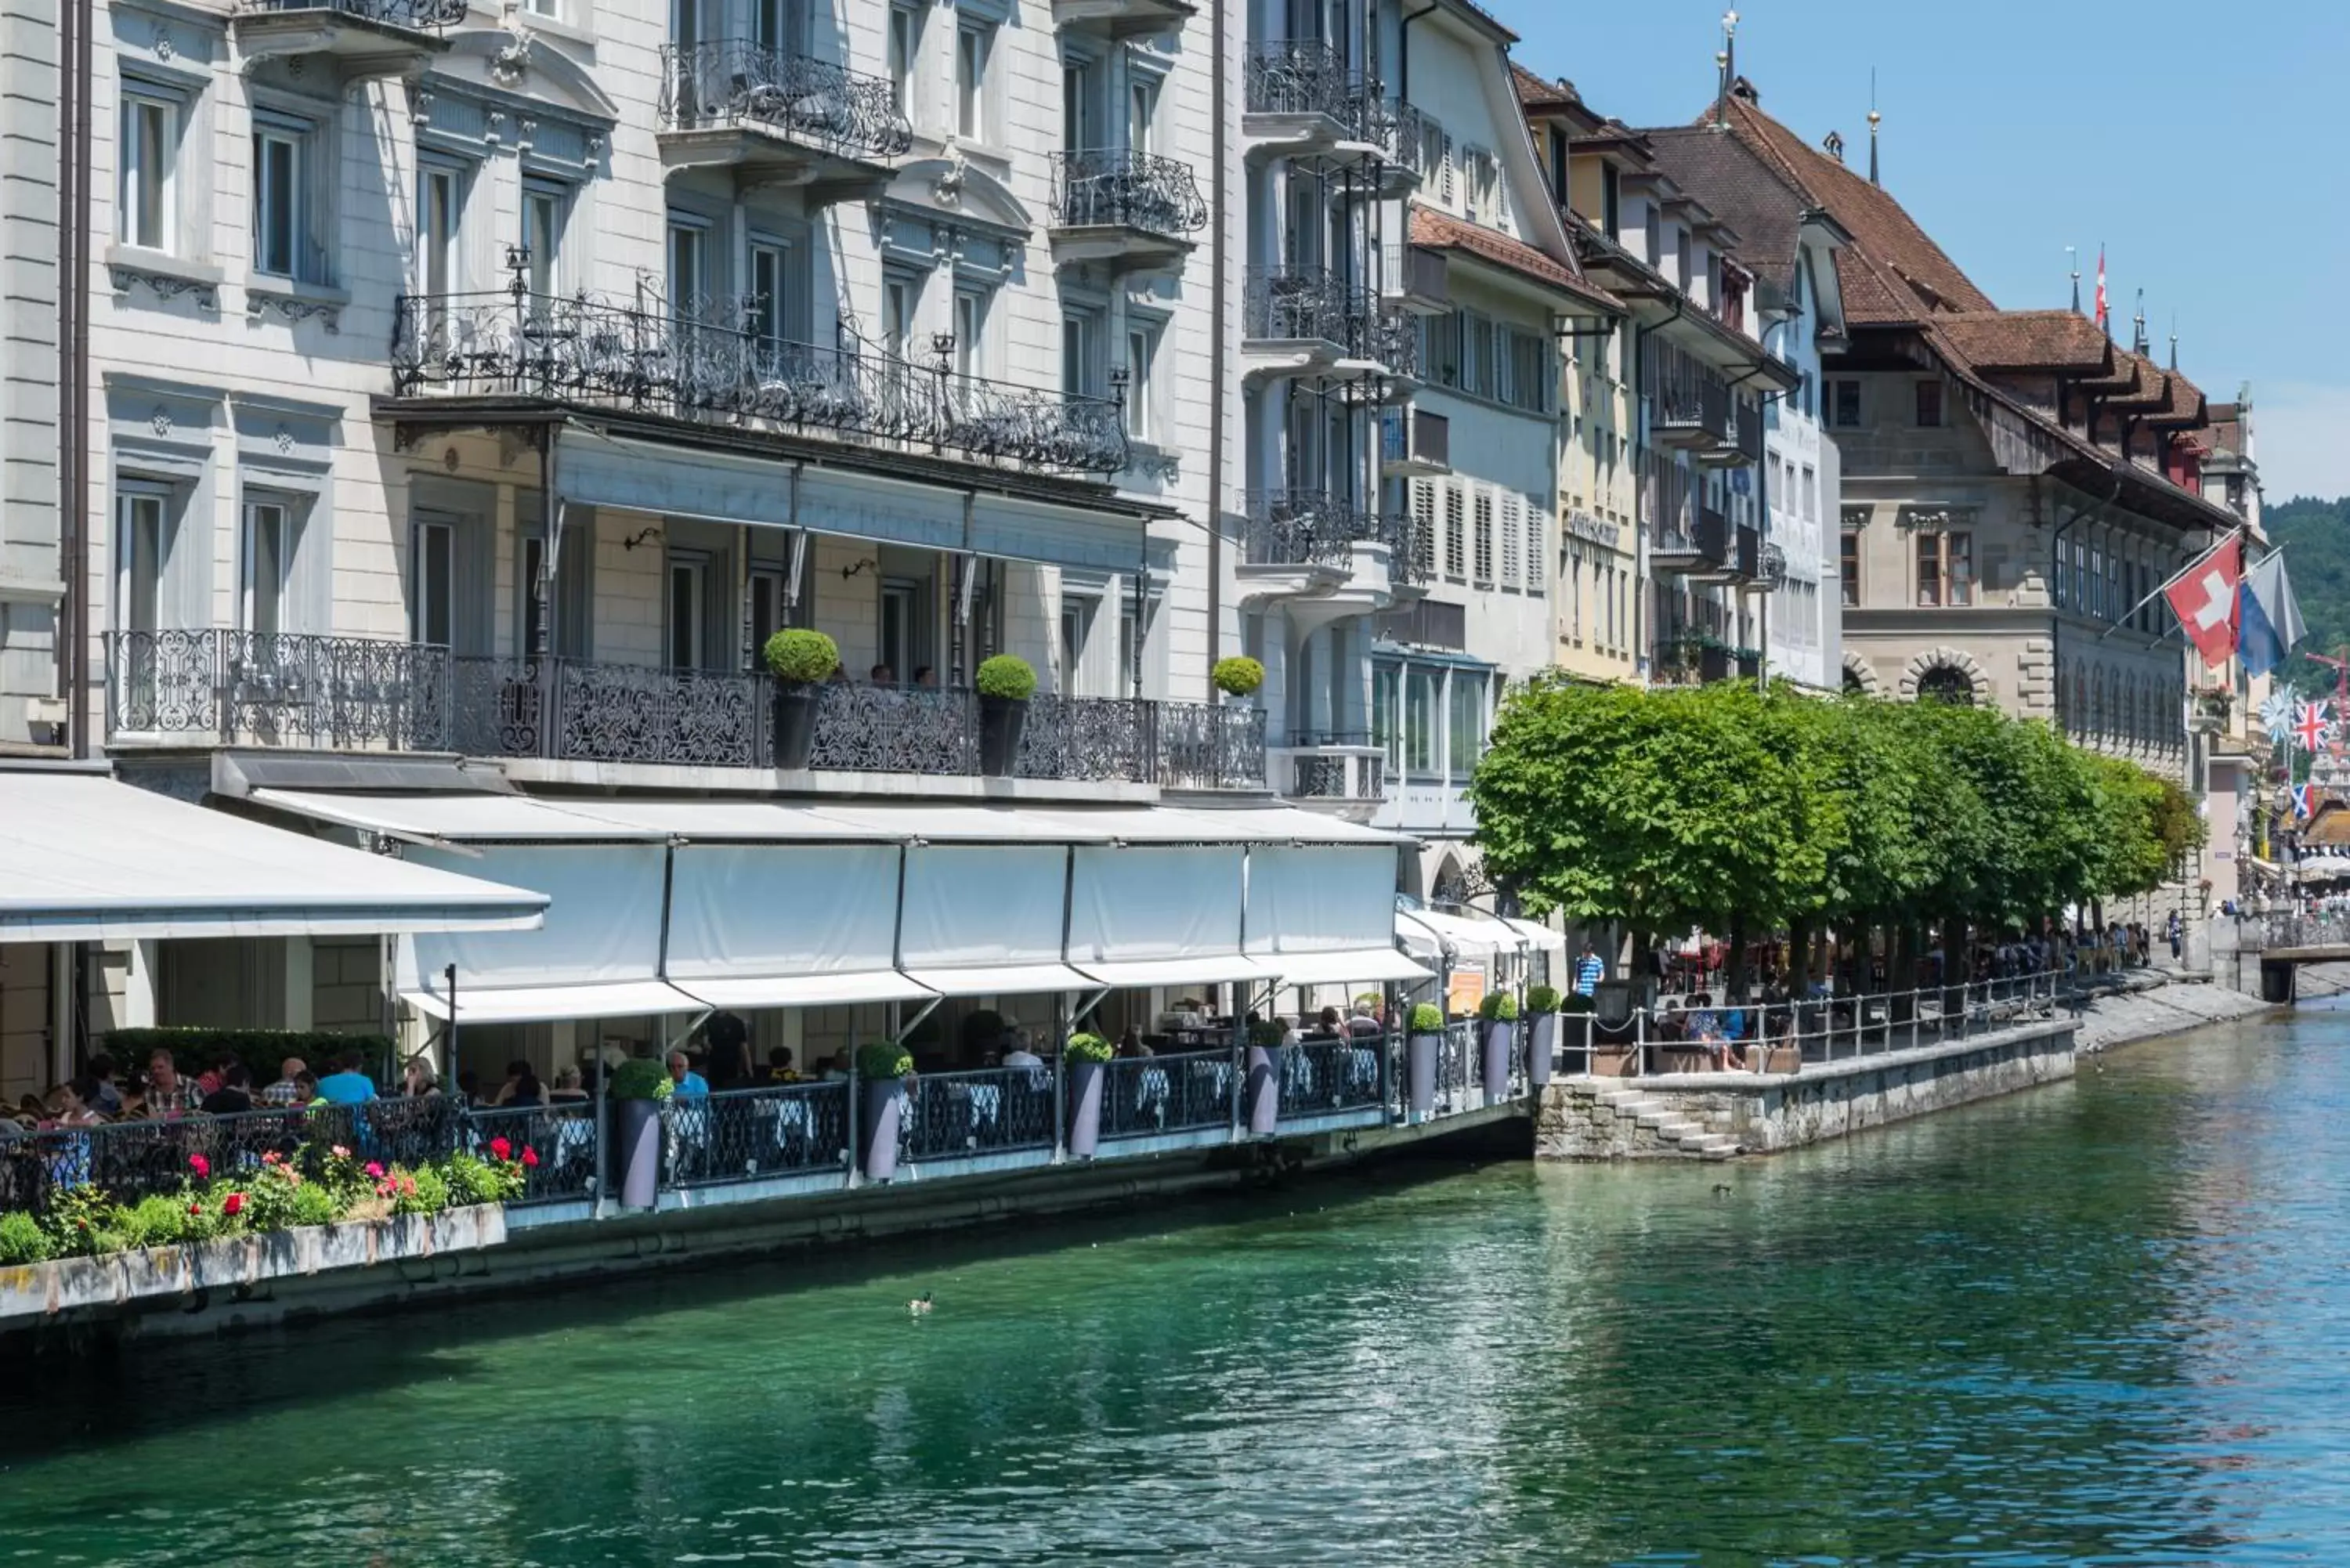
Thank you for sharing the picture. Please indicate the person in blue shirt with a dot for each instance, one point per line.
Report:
(347, 1084)
(1588, 972)
(687, 1083)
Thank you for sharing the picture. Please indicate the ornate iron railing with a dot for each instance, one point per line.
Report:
(1319, 1076)
(419, 16)
(641, 356)
(746, 1135)
(1403, 133)
(1144, 1097)
(997, 1110)
(1085, 738)
(1204, 745)
(635, 712)
(896, 729)
(1306, 76)
(561, 1133)
(1117, 187)
(1309, 527)
(731, 81)
(1305, 303)
(278, 689)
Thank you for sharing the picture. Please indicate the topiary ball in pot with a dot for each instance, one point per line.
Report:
(1005, 684)
(1084, 1047)
(802, 656)
(642, 1078)
(1006, 678)
(1541, 998)
(880, 1060)
(1427, 1017)
(1500, 1007)
(802, 660)
(1237, 676)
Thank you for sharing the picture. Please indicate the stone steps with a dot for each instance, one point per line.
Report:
(1677, 1133)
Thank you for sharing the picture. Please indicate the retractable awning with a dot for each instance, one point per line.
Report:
(1346, 966)
(985, 920)
(1475, 938)
(787, 925)
(552, 1003)
(596, 956)
(1159, 914)
(86, 857)
(1002, 979)
(1539, 937)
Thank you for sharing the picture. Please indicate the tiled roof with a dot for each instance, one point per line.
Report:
(2063, 341)
(1892, 271)
(1441, 230)
(1536, 93)
(1750, 195)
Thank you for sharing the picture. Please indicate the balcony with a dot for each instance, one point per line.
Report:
(1344, 775)
(583, 350)
(1312, 528)
(1121, 18)
(1410, 142)
(216, 687)
(1702, 552)
(358, 38)
(1425, 623)
(1132, 209)
(1696, 661)
(1414, 443)
(1304, 102)
(1419, 280)
(1746, 555)
(778, 119)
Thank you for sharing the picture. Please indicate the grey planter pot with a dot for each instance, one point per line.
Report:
(1542, 1051)
(1262, 1092)
(637, 1151)
(883, 1106)
(1085, 1087)
(795, 709)
(1420, 1074)
(1499, 1038)
(1001, 721)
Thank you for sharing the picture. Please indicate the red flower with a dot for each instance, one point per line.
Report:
(375, 1169)
(195, 1207)
(501, 1147)
(200, 1165)
(529, 1155)
(233, 1204)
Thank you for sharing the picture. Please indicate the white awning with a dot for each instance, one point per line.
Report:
(603, 920)
(1345, 967)
(554, 1004)
(488, 818)
(85, 858)
(1002, 979)
(1475, 938)
(834, 989)
(1155, 901)
(970, 905)
(1540, 937)
(1319, 898)
(1210, 969)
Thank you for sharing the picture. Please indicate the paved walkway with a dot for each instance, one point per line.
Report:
(2157, 1004)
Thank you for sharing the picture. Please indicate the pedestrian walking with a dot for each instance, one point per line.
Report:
(2176, 934)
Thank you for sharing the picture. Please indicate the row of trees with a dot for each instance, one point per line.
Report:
(1749, 813)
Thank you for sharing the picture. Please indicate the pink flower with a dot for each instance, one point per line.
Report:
(529, 1155)
(233, 1204)
(501, 1147)
(374, 1168)
(200, 1165)
(269, 1156)
(339, 1152)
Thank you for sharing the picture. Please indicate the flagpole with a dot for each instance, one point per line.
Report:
(2173, 581)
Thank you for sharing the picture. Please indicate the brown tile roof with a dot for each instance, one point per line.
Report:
(2063, 341)
(1743, 191)
(1892, 271)
(1536, 93)
(1441, 230)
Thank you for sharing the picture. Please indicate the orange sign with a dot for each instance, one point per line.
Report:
(1468, 989)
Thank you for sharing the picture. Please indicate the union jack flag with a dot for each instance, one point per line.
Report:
(2304, 800)
(2314, 726)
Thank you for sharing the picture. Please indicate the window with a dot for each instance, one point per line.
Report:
(434, 599)
(146, 547)
(688, 579)
(1386, 681)
(971, 82)
(1081, 104)
(688, 283)
(544, 211)
(904, 649)
(905, 45)
(1681, 259)
(277, 199)
(268, 565)
(1611, 201)
(150, 146)
(1537, 567)
(437, 212)
(543, 8)
(1420, 721)
(767, 614)
(1482, 510)
(1575, 597)
(1810, 495)
(1141, 109)
(1511, 565)
(970, 334)
(1653, 236)
(1526, 376)
(1844, 405)
(1077, 628)
(1138, 381)
(898, 298)
(1945, 569)
(1930, 405)
(1423, 528)
(1456, 561)
(1081, 369)
(766, 318)
(1848, 566)
(1467, 724)
(530, 607)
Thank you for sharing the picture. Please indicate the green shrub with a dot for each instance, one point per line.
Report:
(1237, 676)
(22, 1240)
(1578, 1005)
(880, 1060)
(642, 1078)
(158, 1222)
(1500, 1007)
(1084, 1047)
(1541, 999)
(431, 1197)
(313, 1203)
(1007, 677)
(802, 656)
(1265, 1034)
(1427, 1017)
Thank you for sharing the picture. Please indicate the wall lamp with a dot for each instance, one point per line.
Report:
(641, 535)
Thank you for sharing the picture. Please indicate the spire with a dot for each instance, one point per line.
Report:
(2075, 252)
(2174, 341)
(2139, 343)
(1875, 119)
(1725, 62)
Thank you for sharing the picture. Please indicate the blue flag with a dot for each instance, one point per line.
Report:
(2270, 615)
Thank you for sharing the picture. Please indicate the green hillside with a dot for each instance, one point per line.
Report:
(2315, 536)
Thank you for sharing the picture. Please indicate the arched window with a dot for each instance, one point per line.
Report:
(1946, 683)
(1853, 684)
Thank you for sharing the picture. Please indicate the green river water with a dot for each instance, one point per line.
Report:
(2101, 1323)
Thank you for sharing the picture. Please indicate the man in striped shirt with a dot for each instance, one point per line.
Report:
(1588, 972)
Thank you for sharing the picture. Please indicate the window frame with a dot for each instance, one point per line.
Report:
(252, 591)
(1848, 567)
(1930, 412)
(974, 45)
(141, 96)
(1947, 550)
(442, 232)
(1846, 411)
(555, 200)
(902, 52)
(289, 144)
(422, 584)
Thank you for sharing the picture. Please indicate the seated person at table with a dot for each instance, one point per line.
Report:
(779, 1066)
(684, 1081)
(1021, 1056)
(1131, 1043)
(1362, 1023)
(280, 1092)
(1700, 1022)
(108, 1100)
(418, 1081)
(1326, 1026)
(234, 1096)
(167, 1092)
(836, 1069)
(347, 1085)
(515, 1073)
(69, 1106)
(568, 1086)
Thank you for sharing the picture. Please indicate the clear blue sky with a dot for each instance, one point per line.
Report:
(2205, 144)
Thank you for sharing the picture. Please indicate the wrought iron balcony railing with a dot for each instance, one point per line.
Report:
(218, 686)
(1306, 76)
(418, 16)
(1118, 188)
(734, 81)
(1312, 528)
(1305, 303)
(584, 349)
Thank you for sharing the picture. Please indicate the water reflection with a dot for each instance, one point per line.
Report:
(2093, 1324)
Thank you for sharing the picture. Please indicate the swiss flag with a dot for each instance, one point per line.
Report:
(2204, 599)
